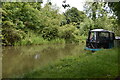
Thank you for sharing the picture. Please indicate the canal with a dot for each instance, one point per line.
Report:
(17, 60)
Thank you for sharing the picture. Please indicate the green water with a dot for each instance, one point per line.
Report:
(22, 59)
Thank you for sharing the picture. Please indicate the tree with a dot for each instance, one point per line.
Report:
(98, 13)
(95, 10)
(115, 6)
(69, 32)
(74, 15)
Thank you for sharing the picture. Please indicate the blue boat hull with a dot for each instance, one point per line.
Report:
(92, 49)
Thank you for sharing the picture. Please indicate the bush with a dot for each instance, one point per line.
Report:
(69, 32)
(11, 36)
(49, 33)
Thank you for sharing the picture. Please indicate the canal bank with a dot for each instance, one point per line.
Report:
(101, 64)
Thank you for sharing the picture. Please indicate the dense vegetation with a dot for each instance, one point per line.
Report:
(25, 23)
(101, 64)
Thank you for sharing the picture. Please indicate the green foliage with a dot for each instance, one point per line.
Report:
(57, 41)
(86, 25)
(115, 6)
(10, 36)
(49, 33)
(74, 15)
(19, 18)
(31, 38)
(97, 13)
(69, 32)
(95, 10)
(34, 39)
(27, 17)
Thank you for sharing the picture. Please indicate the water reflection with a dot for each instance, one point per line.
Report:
(21, 59)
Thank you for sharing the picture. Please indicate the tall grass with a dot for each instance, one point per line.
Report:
(35, 39)
(101, 64)
(57, 41)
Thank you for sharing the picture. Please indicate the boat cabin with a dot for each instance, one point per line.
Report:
(100, 38)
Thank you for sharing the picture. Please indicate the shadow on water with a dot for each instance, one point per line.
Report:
(21, 59)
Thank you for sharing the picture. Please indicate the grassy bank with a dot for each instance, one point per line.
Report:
(101, 64)
(35, 39)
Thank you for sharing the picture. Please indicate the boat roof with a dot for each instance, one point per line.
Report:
(117, 38)
(100, 30)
